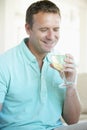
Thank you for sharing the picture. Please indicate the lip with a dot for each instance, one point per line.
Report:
(48, 42)
(49, 46)
(51, 43)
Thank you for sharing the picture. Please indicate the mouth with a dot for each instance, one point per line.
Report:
(49, 44)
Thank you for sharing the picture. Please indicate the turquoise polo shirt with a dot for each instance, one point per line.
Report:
(32, 99)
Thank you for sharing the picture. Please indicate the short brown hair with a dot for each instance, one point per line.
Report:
(40, 6)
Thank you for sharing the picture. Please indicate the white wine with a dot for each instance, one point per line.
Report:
(58, 61)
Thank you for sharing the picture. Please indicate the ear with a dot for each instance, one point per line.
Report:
(27, 28)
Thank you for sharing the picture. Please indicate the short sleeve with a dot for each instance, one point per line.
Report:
(3, 83)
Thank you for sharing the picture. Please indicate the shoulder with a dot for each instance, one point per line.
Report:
(9, 55)
(7, 62)
(12, 53)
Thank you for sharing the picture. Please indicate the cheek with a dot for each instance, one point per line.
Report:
(37, 35)
(57, 36)
(33, 36)
(40, 36)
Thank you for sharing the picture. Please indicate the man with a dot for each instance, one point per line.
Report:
(30, 96)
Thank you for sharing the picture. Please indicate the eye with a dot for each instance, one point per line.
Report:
(43, 29)
(56, 29)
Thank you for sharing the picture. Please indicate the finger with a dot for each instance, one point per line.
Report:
(69, 56)
(73, 66)
(69, 63)
(69, 70)
(69, 59)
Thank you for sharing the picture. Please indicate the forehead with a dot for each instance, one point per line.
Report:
(46, 18)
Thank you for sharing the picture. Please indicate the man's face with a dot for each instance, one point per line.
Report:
(44, 34)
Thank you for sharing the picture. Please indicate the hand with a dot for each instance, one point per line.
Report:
(70, 68)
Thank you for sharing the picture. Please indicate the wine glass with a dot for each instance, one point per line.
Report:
(58, 63)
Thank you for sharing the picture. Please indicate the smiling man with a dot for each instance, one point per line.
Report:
(30, 96)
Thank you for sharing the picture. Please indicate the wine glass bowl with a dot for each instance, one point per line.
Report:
(58, 61)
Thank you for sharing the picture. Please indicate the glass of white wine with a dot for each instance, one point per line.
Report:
(58, 63)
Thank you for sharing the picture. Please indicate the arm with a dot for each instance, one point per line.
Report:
(72, 107)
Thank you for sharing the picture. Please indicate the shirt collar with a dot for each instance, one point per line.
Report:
(28, 53)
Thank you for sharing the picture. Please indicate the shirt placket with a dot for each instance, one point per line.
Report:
(43, 89)
(43, 93)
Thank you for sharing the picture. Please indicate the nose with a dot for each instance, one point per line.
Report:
(50, 34)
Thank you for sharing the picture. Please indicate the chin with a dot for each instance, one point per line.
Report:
(48, 51)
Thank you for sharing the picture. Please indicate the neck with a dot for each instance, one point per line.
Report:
(39, 56)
